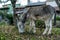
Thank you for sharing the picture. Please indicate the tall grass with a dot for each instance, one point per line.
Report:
(8, 32)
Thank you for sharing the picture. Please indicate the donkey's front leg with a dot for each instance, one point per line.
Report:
(33, 25)
(49, 32)
(47, 27)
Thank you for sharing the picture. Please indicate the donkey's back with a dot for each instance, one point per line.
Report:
(41, 12)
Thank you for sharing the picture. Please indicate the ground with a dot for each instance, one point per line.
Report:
(8, 32)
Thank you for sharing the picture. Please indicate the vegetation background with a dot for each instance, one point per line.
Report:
(10, 32)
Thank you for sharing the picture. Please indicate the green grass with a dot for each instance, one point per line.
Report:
(8, 32)
(56, 31)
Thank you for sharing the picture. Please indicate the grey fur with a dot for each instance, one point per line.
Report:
(45, 13)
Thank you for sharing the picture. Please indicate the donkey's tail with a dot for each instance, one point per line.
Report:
(55, 17)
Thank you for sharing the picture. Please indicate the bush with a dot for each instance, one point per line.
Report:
(10, 17)
(58, 18)
(1, 14)
(40, 24)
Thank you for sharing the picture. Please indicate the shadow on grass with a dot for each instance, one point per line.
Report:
(28, 33)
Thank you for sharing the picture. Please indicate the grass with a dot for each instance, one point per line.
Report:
(8, 32)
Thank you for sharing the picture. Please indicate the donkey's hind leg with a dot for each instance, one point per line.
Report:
(34, 28)
(47, 27)
(50, 25)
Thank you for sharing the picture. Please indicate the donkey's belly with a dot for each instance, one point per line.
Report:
(45, 17)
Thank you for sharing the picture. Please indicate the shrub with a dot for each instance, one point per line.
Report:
(10, 17)
(58, 18)
(40, 24)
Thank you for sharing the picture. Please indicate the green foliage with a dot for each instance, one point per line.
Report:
(56, 31)
(1, 13)
(2, 36)
(2, 23)
(40, 23)
(58, 18)
(10, 17)
(33, 38)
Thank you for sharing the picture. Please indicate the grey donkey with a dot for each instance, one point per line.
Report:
(44, 12)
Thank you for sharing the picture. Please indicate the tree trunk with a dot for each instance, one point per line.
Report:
(14, 15)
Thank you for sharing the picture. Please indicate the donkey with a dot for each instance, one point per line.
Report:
(44, 12)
